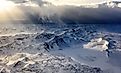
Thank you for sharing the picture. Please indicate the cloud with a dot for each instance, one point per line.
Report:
(26, 11)
(19, 1)
(63, 14)
(37, 2)
(74, 2)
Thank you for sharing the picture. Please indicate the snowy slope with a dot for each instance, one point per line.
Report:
(43, 63)
(60, 45)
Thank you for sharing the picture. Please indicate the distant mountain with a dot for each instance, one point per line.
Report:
(105, 4)
(110, 4)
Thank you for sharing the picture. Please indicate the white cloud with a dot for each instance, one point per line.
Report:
(74, 2)
(30, 2)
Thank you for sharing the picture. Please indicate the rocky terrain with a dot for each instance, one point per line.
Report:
(67, 49)
(43, 63)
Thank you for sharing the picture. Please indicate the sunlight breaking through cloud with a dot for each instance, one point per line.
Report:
(19, 11)
(9, 12)
(45, 11)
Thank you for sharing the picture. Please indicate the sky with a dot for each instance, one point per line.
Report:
(32, 10)
(63, 2)
(67, 2)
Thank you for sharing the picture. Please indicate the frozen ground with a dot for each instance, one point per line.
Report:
(65, 49)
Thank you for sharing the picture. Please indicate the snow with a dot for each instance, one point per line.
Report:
(97, 44)
(104, 4)
(92, 58)
(61, 50)
(119, 5)
(43, 63)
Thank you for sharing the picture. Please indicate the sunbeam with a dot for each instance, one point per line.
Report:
(6, 5)
(9, 12)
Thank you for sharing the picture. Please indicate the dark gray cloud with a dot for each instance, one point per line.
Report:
(67, 14)
(19, 1)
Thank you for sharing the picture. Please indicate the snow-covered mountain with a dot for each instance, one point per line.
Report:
(18, 52)
(43, 63)
(105, 4)
(61, 39)
(110, 4)
(79, 48)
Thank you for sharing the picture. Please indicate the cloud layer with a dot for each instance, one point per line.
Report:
(38, 2)
(45, 13)
(60, 2)
(74, 2)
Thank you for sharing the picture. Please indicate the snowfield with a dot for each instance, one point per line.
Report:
(43, 63)
(81, 48)
(97, 44)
